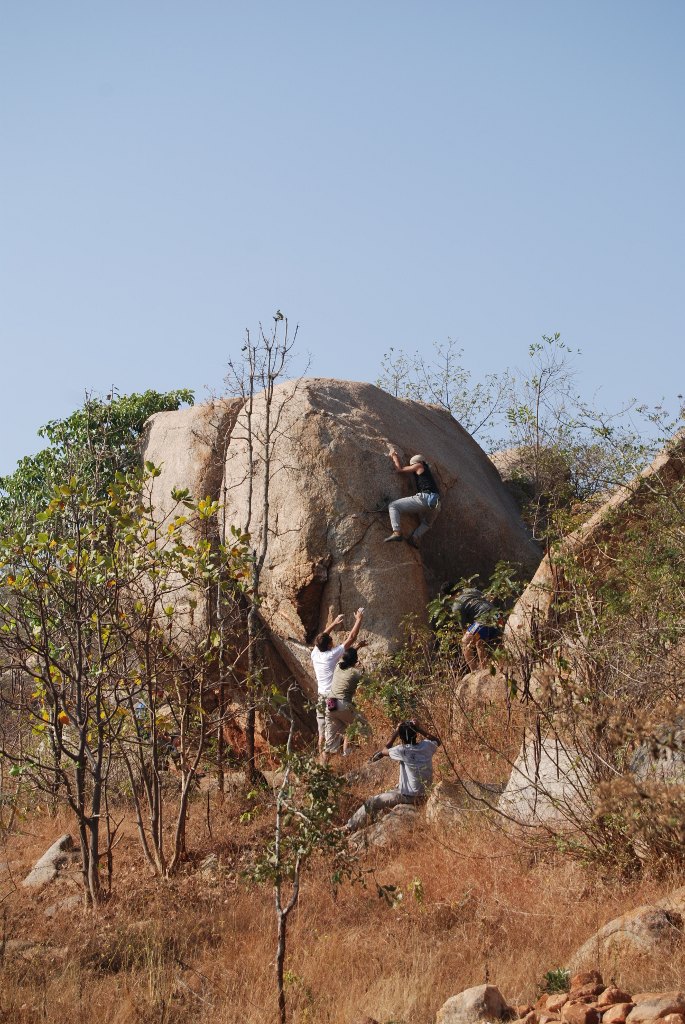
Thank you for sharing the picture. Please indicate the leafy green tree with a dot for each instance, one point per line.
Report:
(95, 441)
(91, 625)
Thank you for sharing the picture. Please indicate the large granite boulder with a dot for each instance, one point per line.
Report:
(550, 782)
(647, 931)
(329, 476)
(189, 445)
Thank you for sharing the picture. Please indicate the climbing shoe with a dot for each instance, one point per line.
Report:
(411, 539)
(392, 537)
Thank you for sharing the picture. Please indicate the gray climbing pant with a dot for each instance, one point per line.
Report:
(415, 504)
(383, 802)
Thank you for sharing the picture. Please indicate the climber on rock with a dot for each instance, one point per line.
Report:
(341, 711)
(324, 659)
(425, 503)
(416, 773)
(483, 625)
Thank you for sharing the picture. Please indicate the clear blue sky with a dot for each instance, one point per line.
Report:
(387, 173)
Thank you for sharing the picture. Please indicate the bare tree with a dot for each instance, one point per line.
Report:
(264, 362)
(442, 379)
(305, 809)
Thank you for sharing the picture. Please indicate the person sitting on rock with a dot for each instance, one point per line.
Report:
(425, 503)
(483, 624)
(324, 659)
(341, 711)
(416, 773)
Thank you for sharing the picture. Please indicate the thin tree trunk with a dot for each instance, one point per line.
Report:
(280, 963)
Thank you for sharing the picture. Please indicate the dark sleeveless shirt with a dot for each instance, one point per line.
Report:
(425, 482)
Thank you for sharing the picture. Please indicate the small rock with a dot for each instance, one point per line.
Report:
(480, 1003)
(642, 997)
(613, 995)
(446, 804)
(653, 1009)
(395, 827)
(480, 688)
(579, 1013)
(585, 978)
(586, 993)
(556, 1001)
(617, 1013)
(48, 867)
(545, 1018)
(674, 1018)
(522, 1009)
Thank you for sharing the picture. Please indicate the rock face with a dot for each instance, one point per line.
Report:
(663, 759)
(549, 783)
(480, 688)
(449, 801)
(48, 867)
(330, 471)
(645, 931)
(481, 1003)
(189, 446)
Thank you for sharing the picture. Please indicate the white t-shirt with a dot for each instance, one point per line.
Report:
(416, 766)
(324, 663)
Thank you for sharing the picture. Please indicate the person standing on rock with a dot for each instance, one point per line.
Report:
(341, 711)
(425, 503)
(324, 659)
(416, 773)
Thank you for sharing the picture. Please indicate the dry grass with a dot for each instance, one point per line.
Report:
(474, 906)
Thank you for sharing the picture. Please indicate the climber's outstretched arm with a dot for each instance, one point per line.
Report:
(354, 632)
(332, 623)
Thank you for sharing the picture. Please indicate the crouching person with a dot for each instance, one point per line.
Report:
(483, 624)
(416, 773)
(341, 711)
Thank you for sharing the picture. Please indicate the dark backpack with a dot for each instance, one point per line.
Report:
(470, 606)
